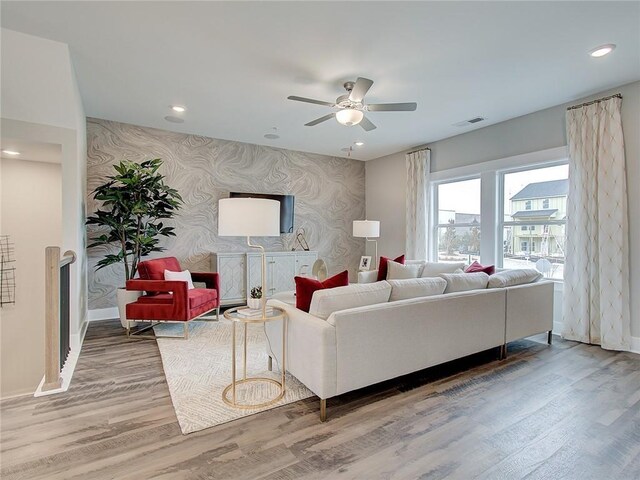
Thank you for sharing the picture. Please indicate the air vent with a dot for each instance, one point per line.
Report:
(471, 121)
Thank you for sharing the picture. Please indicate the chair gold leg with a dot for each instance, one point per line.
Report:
(218, 314)
(323, 409)
(186, 330)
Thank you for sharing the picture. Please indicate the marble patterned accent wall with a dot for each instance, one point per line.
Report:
(329, 195)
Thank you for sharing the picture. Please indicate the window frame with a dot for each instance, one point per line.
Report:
(492, 197)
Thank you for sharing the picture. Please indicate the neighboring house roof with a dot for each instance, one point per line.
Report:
(535, 213)
(552, 188)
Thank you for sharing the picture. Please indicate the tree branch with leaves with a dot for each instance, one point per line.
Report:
(134, 202)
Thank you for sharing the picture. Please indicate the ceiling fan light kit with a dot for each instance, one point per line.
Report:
(349, 116)
(352, 107)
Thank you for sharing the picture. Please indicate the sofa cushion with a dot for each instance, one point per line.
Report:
(433, 269)
(518, 276)
(305, 288)
(197, 297)
(477, 267)
(397, 270)
(461, 282)
(330, 300)
(416, 287)
(382, 266)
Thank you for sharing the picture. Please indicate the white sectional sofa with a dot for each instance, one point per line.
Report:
(355, 347)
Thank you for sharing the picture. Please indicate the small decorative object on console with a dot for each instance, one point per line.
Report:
(253, 301)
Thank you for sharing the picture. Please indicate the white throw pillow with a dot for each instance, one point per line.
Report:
(461, 282)
(397, 270)
(509, 278)
(433, 269)
(416, 287)
(184, 276)
(325, 302)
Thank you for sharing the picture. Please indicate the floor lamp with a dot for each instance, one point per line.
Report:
(368, 229)
(250, 217)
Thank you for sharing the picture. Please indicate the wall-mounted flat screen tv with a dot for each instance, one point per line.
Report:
(286, 207)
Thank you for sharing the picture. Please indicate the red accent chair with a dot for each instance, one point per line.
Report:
(171, 301)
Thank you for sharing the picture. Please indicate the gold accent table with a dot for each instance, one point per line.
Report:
(231, 314)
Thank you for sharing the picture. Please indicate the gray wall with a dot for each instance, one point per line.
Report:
(329, 195)
(386, 177)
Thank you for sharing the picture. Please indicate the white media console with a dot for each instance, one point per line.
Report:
(239, 272)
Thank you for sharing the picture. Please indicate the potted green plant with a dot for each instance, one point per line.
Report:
(135, 200)
(254, 301)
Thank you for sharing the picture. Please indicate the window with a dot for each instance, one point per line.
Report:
(458, 220)
(540, 243)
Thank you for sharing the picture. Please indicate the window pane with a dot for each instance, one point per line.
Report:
(459, 201)
(458, 244)
(537, 195)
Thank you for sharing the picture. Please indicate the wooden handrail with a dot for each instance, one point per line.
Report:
(53, 264)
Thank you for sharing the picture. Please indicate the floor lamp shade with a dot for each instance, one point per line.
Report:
(248, 217)
(366, 228)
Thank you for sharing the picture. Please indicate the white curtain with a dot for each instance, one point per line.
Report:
(418, 168)
(596, 275)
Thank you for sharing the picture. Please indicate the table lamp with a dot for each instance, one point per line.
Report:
(250, 217)
(368, 229)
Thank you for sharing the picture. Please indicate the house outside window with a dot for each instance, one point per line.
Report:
(545, 203)
(527, 205)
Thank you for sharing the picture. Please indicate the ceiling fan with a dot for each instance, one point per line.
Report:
(352, 107)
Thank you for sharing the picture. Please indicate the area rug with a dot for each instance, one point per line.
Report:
(198, 370)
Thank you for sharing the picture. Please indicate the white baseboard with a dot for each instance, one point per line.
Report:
(65, 375)
(103, 314)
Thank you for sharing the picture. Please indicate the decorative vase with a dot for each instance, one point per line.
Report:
(254, 303)
(125, 296)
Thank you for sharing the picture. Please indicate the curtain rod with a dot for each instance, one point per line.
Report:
(418, 150)
(617, 95)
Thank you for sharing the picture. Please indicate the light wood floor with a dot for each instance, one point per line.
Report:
(569, 411)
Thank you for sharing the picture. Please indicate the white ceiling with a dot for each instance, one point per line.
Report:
(233, 64)
(36, 152)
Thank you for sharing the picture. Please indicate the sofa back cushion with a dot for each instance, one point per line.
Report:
(461, 282)
(433, 269)
(510, 278)
(416, 287)
(325, 302)
(306, 287)
(396, 271)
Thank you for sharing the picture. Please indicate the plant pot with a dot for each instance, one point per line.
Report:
(125, 296)
(254, 303)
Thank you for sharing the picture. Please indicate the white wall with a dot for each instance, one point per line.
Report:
(41, 102)
(386, 178)
(31, 213)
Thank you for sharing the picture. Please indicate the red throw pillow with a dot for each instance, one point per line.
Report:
(382, 267)
(306, 286)
(476, 267)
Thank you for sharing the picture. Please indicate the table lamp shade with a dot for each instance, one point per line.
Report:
(248, 217)
(366, 228)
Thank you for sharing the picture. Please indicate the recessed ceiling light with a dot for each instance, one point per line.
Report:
(178, 108)
(602, 50)
(359, 144)
(10, 152)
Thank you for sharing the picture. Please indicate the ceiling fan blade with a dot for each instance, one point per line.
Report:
(360, 89)
(311, 100)
(320, 120)
(367, 124)
(392, 107)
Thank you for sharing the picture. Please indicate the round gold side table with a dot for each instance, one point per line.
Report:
(274, 314)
